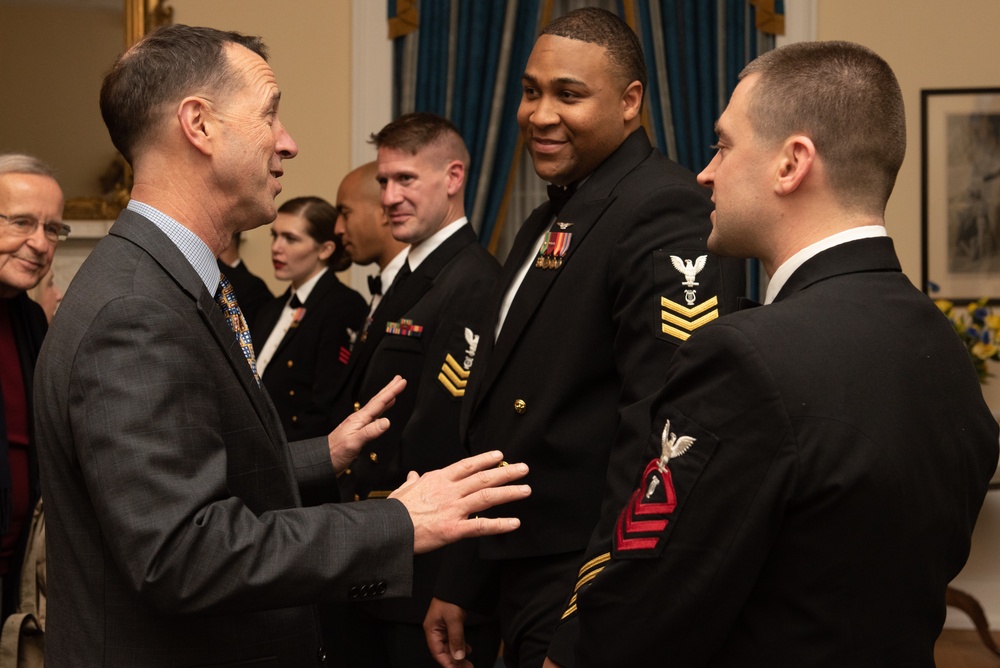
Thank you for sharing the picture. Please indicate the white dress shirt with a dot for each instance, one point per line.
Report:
(285, 321)
(388, 275)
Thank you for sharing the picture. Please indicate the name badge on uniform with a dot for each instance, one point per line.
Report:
(554, 247)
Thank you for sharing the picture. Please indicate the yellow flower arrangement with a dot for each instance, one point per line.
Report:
(979, 330)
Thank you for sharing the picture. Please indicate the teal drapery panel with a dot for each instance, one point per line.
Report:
(469, 57)
(695, 50)
(463, 59)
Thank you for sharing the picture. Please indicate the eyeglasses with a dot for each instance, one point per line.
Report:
(25, 226)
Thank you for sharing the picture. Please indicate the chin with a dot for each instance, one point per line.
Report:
(554, 174)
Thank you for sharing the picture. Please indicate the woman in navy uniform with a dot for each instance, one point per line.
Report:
(303, 338)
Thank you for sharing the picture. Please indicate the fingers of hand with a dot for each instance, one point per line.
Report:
(463, 468)
(385, 398)
(492, 478)
(456, 641)
(411, 478)
(374, 429)
(488, 526)
(369, 413)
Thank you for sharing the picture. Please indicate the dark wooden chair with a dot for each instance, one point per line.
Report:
(970, 606)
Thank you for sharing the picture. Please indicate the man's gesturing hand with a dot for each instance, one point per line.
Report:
(440, 502)
(362, 426)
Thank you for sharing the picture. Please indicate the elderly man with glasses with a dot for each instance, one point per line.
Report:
(31, 205)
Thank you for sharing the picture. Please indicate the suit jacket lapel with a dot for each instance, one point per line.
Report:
(145, 234)
(581, 212)
(401, 298)
(316, 296)
(524, 245)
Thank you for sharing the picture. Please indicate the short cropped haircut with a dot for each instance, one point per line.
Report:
(22, 163)
(321, 219)
(846, 99)
(164, 67)
(603, 28)
(414, 132)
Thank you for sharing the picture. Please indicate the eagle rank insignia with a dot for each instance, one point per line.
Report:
(641, 523)
(689, 300)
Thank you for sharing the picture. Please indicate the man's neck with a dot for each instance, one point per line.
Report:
(200, 220)
(418, 252)
(388, 257)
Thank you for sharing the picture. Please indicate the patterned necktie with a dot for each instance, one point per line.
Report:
(226, 298)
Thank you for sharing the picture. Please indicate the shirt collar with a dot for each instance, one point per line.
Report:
(392, 268)
(788, 267)
(303, 291)
(417, 255)
(195, 251)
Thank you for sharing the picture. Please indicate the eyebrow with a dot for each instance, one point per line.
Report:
(720, 131)
(527, 78)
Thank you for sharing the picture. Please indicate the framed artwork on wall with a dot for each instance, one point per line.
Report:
(960, 178)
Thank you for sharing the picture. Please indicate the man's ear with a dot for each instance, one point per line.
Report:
(194, 117)
(795, 163)
(456, 176)
(631, 101)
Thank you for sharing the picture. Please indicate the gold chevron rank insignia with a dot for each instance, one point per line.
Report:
(453, 377)
(588, 572)
(680, 321)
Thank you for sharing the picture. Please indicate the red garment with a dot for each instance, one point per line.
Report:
(15, 410)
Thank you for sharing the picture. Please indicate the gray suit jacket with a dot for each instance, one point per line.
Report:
(175, 532)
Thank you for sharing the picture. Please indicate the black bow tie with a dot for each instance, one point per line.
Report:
(295, 303)
(375, 284)
(558, 196)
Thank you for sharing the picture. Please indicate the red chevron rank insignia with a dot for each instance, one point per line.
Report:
(642, 522)
(646, 515)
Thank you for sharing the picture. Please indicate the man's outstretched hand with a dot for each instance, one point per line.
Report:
(443, 503)
(367, 424)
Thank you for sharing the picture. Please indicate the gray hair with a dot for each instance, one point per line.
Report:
(21, 163)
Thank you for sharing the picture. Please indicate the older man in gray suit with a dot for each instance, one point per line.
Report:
(176, 534)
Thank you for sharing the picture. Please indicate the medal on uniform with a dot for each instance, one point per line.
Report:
(300, 313)
(554, 247)
(404, 328)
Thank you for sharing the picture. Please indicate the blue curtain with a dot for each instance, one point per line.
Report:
(469, 59)
(463, 59)
(695, 50)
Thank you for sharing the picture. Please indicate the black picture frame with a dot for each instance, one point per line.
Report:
(960, 193)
